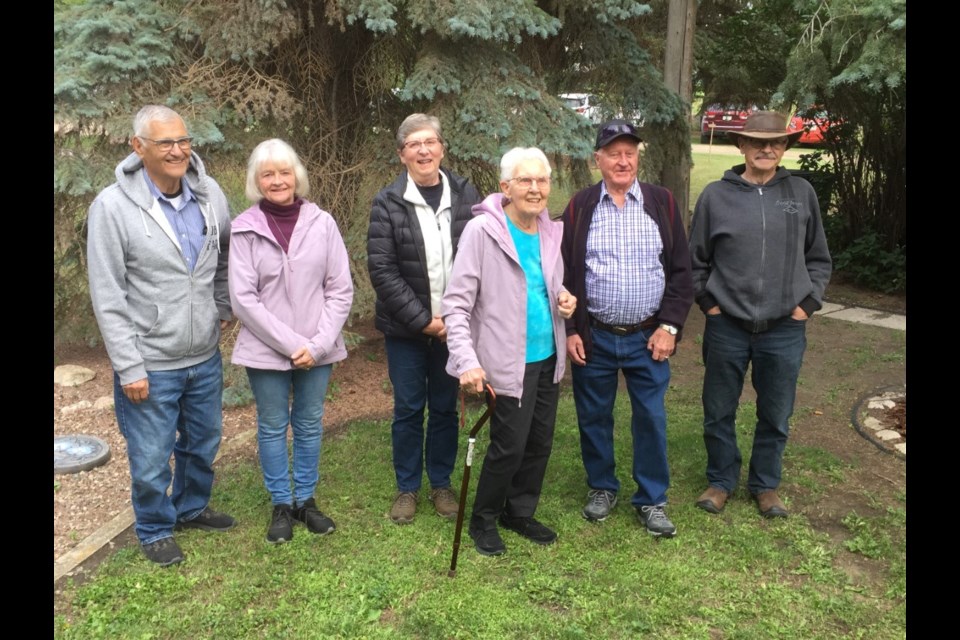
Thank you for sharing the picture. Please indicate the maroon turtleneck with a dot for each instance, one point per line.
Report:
(282, 218)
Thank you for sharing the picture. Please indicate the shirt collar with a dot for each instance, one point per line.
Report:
(634, 190)
(186, 193)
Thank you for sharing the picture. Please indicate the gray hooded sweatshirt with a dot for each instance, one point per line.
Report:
(758, 252)
(154, 313)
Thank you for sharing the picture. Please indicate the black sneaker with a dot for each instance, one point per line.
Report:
(316, 522)
(164, 552)
(208, 520)
(488, 541)
(281, 524)
(656, 521)
(529, 528)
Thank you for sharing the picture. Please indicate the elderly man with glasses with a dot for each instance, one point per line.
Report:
(157, 260)
(760, 266)
(626, 259)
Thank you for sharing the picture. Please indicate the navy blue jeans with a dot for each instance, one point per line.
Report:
(594, 393)
(420, 381)
(181, 416)
(776, 356)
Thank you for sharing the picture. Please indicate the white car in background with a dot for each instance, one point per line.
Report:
(588, 105)
(583, 103)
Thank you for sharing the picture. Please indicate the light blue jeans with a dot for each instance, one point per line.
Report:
(271, 389)
(181, 416)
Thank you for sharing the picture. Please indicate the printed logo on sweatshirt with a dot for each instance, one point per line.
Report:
(790, 206)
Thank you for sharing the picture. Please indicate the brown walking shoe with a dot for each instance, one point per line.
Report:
(770, 504)
(446, 503)
(404, 507)
(713, 499)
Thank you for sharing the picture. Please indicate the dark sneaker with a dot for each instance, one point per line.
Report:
(281, 524)
(488, 541)
(599, 505)
(529, 528)
(446, 503)
(404, 507)
(164, 552)
(316, 522)
(656, 521)
(208, 520)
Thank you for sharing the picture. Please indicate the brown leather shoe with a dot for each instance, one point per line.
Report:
(446, 502)
(770, 504)
(713, 499)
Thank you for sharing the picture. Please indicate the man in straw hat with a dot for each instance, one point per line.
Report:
(760, 266)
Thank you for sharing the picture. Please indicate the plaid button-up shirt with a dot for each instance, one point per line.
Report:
(624, 276)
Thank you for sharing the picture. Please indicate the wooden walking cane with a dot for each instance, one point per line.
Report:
(465, 484)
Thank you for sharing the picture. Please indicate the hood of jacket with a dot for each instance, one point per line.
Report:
(734, 175)
(133, 186)
(492, 206)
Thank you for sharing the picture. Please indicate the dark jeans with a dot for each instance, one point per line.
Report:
(776, 356)
(418, 374)
(594, 393)
(521, 438)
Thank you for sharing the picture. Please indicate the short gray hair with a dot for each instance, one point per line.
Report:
(282, 155)
(518, 155)
(153, 113)
(416, 122)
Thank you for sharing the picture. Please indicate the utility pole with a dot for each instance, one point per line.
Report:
(678, 76)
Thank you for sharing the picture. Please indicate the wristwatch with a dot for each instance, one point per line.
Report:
(669, 328)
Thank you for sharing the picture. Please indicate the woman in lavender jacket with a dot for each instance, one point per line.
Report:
(504, 309)
(290, 286)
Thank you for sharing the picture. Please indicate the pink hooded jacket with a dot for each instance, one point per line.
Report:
(485, 304)
(288, 300)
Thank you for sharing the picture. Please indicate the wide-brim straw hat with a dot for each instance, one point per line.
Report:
(766, 125)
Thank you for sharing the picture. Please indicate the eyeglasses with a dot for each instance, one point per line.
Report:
(167, 144)
(776, 143)
(526, 182)
(414, 145)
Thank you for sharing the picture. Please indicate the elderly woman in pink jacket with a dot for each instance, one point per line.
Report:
(504, 309)
(290, 286)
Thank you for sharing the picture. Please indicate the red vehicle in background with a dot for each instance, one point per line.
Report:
(723, 119)
(814, 124)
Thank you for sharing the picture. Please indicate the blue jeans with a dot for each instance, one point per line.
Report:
(776, 356)
(594, 393)
(271, 389)
(181, 416)
(418, 374)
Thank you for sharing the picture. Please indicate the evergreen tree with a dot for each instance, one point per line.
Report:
(336, 77)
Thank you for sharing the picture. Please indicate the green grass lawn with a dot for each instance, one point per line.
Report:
(732, 576)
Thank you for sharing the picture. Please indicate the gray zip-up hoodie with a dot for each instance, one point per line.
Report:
(759, 251)
(154, 314)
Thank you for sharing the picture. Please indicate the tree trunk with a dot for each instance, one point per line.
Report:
(677, 75)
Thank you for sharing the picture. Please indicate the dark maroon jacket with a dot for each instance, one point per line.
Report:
(659, 204)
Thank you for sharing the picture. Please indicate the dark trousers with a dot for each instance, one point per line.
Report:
(521, 438)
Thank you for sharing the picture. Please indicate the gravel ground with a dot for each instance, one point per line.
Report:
(82, 502)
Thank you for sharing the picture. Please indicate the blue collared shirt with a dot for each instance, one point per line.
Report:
(624, 276)
(184, 215)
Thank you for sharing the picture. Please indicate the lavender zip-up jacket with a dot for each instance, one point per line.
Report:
(485, 305)
(288, 300)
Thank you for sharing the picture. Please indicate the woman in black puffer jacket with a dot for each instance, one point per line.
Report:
(415, 225)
